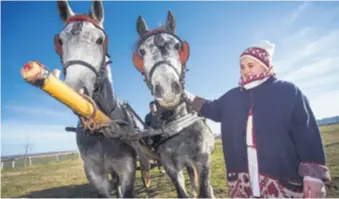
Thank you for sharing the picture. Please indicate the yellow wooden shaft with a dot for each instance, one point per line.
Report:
(34, 72)
(66, 95)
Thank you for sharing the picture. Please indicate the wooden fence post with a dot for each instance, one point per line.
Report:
(30, 161)
(57, 157)
(13, 164)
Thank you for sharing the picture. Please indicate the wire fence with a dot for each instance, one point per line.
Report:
(38, 160)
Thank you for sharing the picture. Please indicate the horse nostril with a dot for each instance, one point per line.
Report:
(158, 92)
(176, 87)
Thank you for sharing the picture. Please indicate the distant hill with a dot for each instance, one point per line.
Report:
(328, 120)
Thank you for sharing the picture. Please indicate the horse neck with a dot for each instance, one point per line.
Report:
(171, 115)
(108, 71)
(109, 75)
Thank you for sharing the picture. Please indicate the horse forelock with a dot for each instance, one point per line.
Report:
(141, 38)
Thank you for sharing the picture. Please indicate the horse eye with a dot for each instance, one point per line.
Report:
(100, 41)
(176, 46)
(60, 41)
(142, 52)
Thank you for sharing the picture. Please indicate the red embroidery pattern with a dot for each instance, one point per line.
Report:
(250, 79)
(258, 53)
(269, 188)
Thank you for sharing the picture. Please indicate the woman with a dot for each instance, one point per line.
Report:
(272, 144)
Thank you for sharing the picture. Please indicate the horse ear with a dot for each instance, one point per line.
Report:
(65, 10)
(97, 12)
(141, 26)
(170, 23)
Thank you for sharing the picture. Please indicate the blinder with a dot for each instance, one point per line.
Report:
(183, 50)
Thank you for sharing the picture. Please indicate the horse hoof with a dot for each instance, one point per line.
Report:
(146, 178)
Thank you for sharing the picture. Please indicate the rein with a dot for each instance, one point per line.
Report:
(101, 96)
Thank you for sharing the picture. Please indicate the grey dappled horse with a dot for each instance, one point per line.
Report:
(82, 46)
(161, 57)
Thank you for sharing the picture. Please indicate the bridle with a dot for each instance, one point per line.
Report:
(102, 89)
(183, 49)
(58, 46)
(183, 55)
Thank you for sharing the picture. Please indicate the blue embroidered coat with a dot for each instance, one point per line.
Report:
(288, 140)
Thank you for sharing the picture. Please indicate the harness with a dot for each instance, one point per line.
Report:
(103, 94)
(183, 51)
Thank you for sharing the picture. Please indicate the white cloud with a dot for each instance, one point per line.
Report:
(38, 111)
(314, 68)
(307, 54)
(43, 126)
(326, 104)
(311, 75)
(298, 12)
(46, 137)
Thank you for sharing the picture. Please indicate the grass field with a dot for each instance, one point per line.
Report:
(67, 179)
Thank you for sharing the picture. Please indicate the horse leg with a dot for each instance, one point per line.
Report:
(127, 179)
(177, 178)
(192, 174)
(96, 176)
(116, 184)
(203, 167)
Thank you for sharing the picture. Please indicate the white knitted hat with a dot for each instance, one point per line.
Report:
(262, 53)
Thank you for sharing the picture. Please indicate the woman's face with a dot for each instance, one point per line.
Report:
(250, 67)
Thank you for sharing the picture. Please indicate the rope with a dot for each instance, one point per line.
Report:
(88, 122)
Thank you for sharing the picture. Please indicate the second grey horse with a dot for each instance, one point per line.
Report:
(161, 57)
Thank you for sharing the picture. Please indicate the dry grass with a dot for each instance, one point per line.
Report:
(67, 179)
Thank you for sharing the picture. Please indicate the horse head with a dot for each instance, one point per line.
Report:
(161, 56)
(82, 46)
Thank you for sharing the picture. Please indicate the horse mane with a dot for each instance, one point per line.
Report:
(108, 70)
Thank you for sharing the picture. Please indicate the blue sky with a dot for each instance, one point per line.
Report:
(306, 37)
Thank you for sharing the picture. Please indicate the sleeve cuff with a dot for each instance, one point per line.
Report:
(315, 170)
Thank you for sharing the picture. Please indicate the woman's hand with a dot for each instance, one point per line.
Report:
(314, 188)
